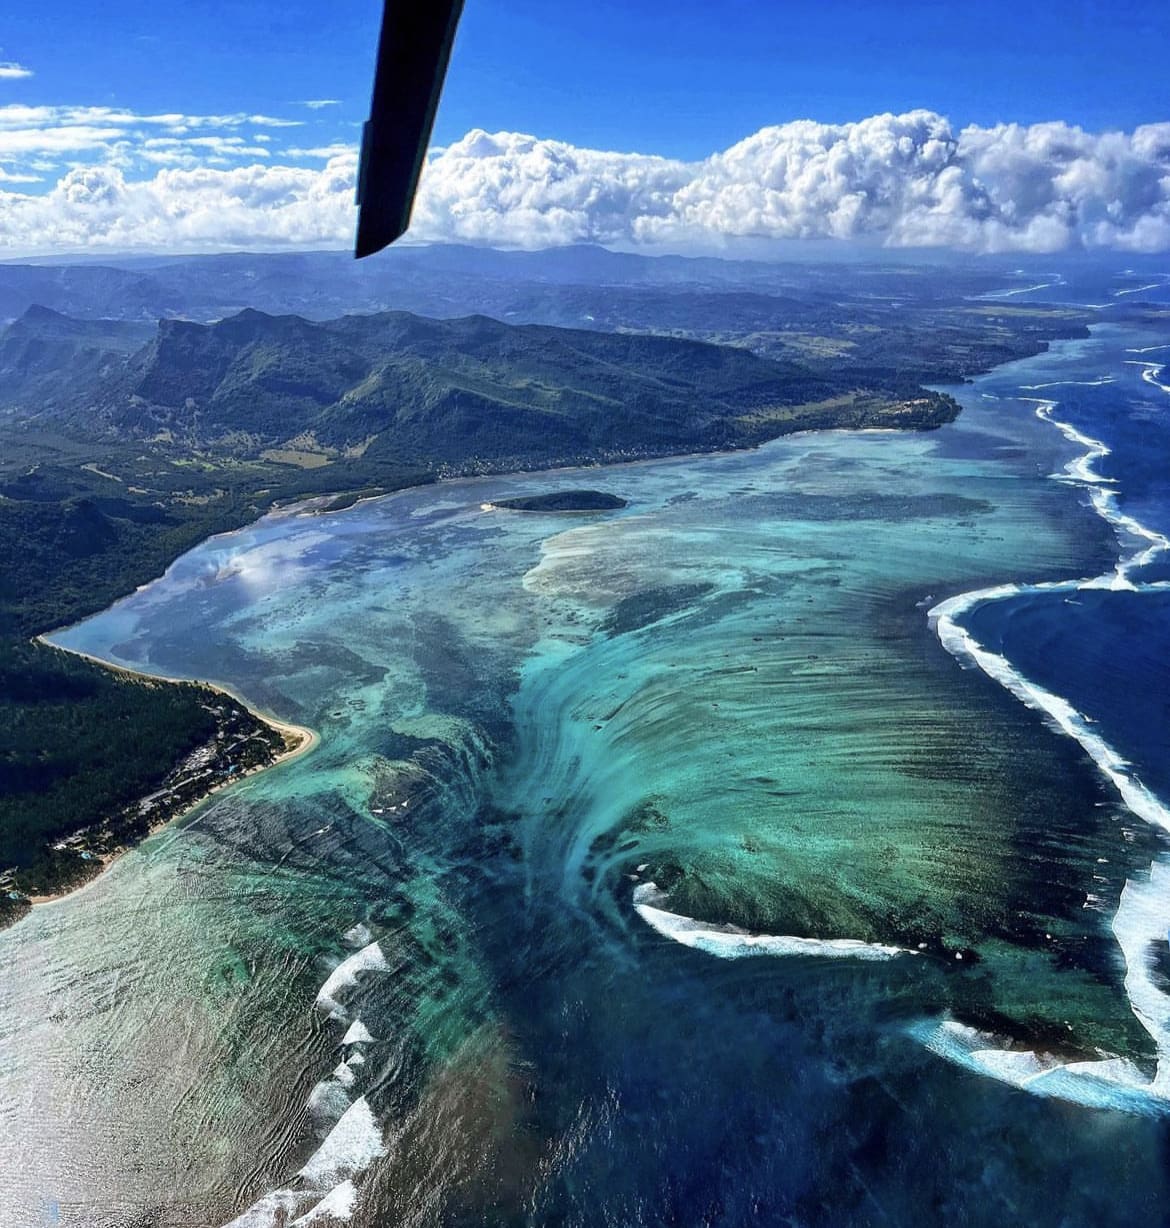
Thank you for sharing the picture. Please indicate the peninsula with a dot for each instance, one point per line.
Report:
(128, 441)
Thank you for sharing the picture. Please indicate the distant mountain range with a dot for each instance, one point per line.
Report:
(440, 279)
(147, 404)
(45, 357)
(445, 392)
(556, 286)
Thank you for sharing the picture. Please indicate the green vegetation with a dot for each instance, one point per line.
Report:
(127, 442)
(60, 714)
(44, 355)
(563, 501)
(75, 767)
(459, 395)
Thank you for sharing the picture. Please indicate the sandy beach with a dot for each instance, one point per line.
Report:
(299, 740)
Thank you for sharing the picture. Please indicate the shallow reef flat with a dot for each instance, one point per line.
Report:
(412, 977)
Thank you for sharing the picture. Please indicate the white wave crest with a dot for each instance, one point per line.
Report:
(731, 942)
(358, 1034)
(337, 1204)
(1071, 383)
(1109, 1083)
(1151, 373)
(271, 1210)
(349, 1148)
(1154, 285)
(369, 959)
(358, 935)
(1143, 910)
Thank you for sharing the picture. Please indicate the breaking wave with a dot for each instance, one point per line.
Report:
(1140, 921)
(731, 942)
(325, 1190)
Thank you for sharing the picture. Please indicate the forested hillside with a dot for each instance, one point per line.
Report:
(126, 440)
(449, 393)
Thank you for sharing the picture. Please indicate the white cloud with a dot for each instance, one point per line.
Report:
(192, 150)
(11, 71)
(126, 139)
(900, 180)
(316, 104)
(322, 151)
(184, 209)
(270, 121)
(19, 115)
(514, 189)
(20, 142)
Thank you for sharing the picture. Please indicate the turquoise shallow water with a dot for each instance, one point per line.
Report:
(406, 974)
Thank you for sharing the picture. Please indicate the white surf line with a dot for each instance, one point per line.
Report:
(1071, 383)
(1104, 501)
(325, 1189)
(1150, 372)
(1154, 285)
(731, 942)
(1044, 285)
(1147, 349)
(369, 959)
(1143, 910)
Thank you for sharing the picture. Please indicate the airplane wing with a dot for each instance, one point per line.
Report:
(413, 51)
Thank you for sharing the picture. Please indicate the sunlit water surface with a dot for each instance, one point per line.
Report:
(419, 977)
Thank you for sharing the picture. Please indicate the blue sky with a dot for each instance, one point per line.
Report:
(683, 80)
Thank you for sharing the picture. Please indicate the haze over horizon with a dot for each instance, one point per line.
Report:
(237, 127)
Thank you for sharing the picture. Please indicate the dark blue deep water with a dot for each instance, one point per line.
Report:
(548, 928)
(1107, 649)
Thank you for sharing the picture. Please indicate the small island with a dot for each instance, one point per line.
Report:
(562, 501)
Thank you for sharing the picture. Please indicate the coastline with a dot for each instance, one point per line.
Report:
(344, 499)
(321, 505)
(1106, 1081)
(309, 737)
(299, 740)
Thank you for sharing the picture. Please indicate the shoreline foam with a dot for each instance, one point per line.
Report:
(1110, 1082)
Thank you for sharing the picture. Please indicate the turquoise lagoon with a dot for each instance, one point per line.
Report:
(518, 942)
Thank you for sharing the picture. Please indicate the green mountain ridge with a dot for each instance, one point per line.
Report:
(458, 391)
(43, 346)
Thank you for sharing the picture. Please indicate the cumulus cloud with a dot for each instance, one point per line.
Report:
(514, 189)
(10, 70)
(184, 209)
(899, 180)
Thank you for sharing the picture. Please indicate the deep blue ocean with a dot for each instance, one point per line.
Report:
(1107, 649)
(787, 848)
